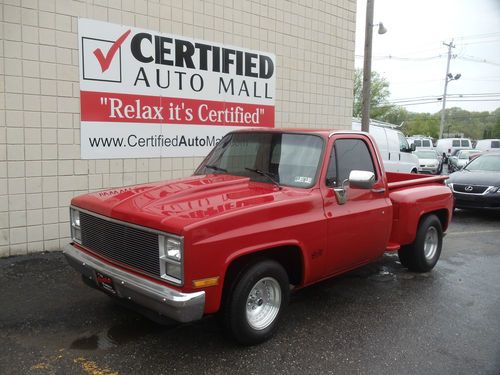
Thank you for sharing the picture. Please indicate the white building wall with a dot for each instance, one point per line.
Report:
(40, 165)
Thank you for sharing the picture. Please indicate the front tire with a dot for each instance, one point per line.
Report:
(423, 254)
(257, 303)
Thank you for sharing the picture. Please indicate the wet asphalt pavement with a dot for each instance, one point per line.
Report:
(378, 319)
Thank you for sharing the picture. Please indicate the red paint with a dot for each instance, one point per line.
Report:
(224, 217)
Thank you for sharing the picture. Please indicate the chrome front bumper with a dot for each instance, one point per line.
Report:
(183, 307)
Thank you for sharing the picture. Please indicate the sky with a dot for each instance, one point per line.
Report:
(412, 57)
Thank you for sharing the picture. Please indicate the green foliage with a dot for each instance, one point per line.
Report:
(496, 128)
(379, 95)
(475, 125)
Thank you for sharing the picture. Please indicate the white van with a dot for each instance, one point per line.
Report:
(488, 144)
(446, 146)
(421, 142)
(396, 152)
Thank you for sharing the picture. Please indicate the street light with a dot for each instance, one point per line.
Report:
(367, 65)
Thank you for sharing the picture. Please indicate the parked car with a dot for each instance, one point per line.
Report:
(394, 148)
(461, 158)
(488, 144)
(448, 146)
(267, 211)
(478, 184)
(429, 161)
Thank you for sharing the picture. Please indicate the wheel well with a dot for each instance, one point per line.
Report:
(290, 257)
(414, 170)
(442, 215)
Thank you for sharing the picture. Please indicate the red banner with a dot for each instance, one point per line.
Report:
(114, 107)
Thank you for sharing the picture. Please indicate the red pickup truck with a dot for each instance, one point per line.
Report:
(266, 212)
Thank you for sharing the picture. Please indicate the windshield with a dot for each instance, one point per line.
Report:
(485, 163)
(426, 154)
(290, 159)
(466, 154)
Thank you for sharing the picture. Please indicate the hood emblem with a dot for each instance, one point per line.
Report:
(469, 188)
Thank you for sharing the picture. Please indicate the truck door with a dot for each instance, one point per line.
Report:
(357, 231)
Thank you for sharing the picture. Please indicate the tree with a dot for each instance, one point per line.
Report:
(396, 115)
(496, 130)
(379, 95)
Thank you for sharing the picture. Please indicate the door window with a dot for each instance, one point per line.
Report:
(403, 143)
(455, 143)
(465, 143)
(348, 155)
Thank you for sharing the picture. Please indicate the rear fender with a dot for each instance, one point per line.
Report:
(411, 204)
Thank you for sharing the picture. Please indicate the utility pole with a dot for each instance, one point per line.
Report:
(446, 80)
(367, 68)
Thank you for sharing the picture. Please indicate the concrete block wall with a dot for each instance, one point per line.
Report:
(40, 165)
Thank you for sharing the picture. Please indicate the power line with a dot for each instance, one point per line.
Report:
(483, 96)
(435, 101)
(478, 59)
(479, 36)
(403, 58)
(463, 94)
(481, 42)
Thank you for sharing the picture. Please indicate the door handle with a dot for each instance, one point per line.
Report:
(381, 190)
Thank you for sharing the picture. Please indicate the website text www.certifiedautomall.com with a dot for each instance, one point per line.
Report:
(154, 141)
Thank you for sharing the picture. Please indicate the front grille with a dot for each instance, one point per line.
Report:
(121, 243)
(476, 203)
(469, 189)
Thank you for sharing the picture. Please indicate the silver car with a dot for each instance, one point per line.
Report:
(428, 161)
(462, 158)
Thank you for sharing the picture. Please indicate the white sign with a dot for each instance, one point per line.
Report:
(149, 94)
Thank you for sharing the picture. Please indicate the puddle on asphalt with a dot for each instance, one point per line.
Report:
(116, 335)
(383, 274)
(406, 276)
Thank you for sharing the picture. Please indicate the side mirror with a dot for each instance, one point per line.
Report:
(357, 179)
(362, 179)
(412, 147)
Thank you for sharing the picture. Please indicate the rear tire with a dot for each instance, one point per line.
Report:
(423, 254)
(256, 303)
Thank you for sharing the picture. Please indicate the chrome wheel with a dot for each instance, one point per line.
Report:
(263, 303)
(431, 243)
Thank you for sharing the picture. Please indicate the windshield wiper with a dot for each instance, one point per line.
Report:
(215, 168)
(265, 174)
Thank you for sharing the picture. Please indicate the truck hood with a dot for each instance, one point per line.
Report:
(171, 206)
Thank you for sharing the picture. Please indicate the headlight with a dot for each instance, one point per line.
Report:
(174, 250)
(170, 251)
(76, 230)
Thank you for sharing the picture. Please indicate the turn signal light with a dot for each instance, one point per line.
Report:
(202, 283)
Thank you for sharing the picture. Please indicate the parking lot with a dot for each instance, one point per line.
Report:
(378, 319)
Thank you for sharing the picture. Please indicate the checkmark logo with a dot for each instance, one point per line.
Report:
(105, 61)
